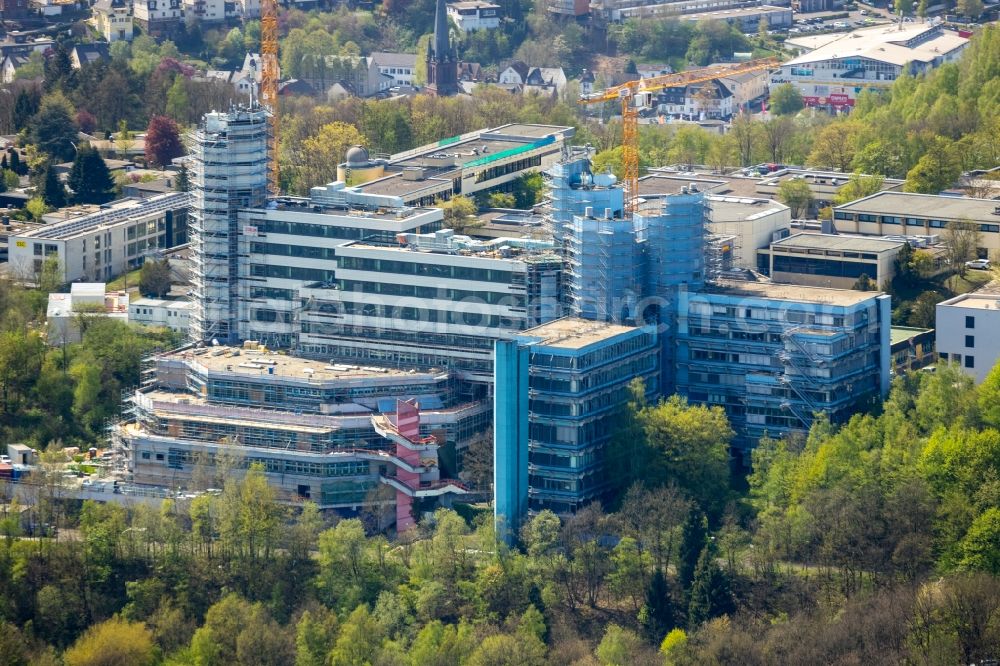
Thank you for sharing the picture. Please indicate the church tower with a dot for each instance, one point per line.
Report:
(442, 65)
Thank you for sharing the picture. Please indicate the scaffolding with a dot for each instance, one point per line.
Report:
(229, 172)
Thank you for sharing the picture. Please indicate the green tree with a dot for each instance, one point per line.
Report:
(618, 646)
(657, 615)
(500, 200)
(113, 642)
(359, 641)
(694, 536)
(90, 178)
(980, 549)
(528, 190)
(182, 183)
(459, 213)
(864, 283)
(796, 194)
(972, 9)
(923, 312)
(322, 152)
(711, 595)
(154, 277)
(689, 446)
(786, 100)
(53, 191)
(937, 170)
(988, 397)
(507, 650)
(53, 128)
(858, 187)
(835, 145)
(345, 571)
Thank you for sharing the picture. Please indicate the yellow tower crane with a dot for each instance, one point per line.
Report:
(632, 99)
(269, 85)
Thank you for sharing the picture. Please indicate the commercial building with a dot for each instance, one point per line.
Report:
(775, 355)
(470, 15)
(228, 173)
(479, 161)
(161, 313)
(85, 299)
(833, 260)
(891, 213)
(559, 392)
(328, 433)
(833, 69)
(103, 244)
(966, 329)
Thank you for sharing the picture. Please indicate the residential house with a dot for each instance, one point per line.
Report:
(720, 98)
(86, 54)
(470, 15)
(587, 81)
(158, 17)
(205, 11)
(348, 75)
(13, 10)
(518, 77)
(113, 20)
(295, 87)
(400, 66)
(9, 66)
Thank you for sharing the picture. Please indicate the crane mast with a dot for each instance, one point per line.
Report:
(630, 93)
(269, 85)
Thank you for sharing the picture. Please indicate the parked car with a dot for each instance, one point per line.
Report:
(978, 264)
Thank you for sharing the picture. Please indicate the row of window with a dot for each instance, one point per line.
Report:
(908, 221)
(442, 270)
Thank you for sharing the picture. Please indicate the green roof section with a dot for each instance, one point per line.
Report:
(899, 334)
(510, 152)
(450, 140)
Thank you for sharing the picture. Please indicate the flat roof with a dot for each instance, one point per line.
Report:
(117, 212)
(741, 209)
(255, 362)
(934, 206)
(973, 301)
(839, 242)
(161, 303)
(883, 43)
(899, 334)
(792, 292)
(670, 182)
(473, 4)
(323, 207)
(721, 14)
(575, 333)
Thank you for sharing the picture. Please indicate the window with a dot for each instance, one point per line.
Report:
(970, 361)
(970, 341)
(970, 321)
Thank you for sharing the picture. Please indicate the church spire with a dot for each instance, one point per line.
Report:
(442, 45)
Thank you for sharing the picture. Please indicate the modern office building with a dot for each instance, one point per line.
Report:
(291, 245)
(433, 300)
(479, 161)
(893, 213)
(912, 348)
(228, 173)
(559, 391)
(833, 260)
(328, 433)
(105, 243)
(833, 69)
(966, 329)
(774, 355)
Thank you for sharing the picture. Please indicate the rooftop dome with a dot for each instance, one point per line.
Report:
(357, 156)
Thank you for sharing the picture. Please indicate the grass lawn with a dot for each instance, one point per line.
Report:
(132, 279)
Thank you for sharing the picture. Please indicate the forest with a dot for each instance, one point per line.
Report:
(894, 515)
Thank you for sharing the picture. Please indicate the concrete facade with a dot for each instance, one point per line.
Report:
(966, 331)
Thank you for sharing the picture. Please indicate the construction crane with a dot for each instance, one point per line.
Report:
(269, 85)
(632, 96)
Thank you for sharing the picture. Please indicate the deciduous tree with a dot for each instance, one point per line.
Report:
(163, 141)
